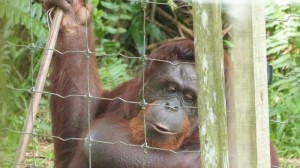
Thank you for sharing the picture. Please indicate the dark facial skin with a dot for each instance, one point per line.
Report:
(170, 115)
(172, 81)
(170, 94)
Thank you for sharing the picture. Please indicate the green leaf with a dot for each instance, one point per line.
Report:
(111, 30)
(154, 31)
(125, 17)
(110, 17)
(121, 30)
(110, 5)
(281, 61)
(136, 30)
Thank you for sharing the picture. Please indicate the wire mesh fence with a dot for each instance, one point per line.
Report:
(34, 158)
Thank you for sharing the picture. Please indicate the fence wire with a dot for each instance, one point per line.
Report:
(34, 153)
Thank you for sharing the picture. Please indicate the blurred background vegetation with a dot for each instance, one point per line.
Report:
(119, 30)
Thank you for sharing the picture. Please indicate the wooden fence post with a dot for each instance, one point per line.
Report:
(210, 82)
(250, 112)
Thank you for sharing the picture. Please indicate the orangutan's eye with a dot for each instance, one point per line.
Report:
(171, 88)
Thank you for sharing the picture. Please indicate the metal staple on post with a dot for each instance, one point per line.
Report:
(39, 86)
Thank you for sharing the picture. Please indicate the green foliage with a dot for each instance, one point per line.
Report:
(283, 25)
(110, 21)
(119, 24)
(136, 33)
(16, 64)
(21, 24)
(123, 22)
(18, 12)
(113, 72)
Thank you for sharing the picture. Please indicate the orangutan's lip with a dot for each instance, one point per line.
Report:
(162, 129)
